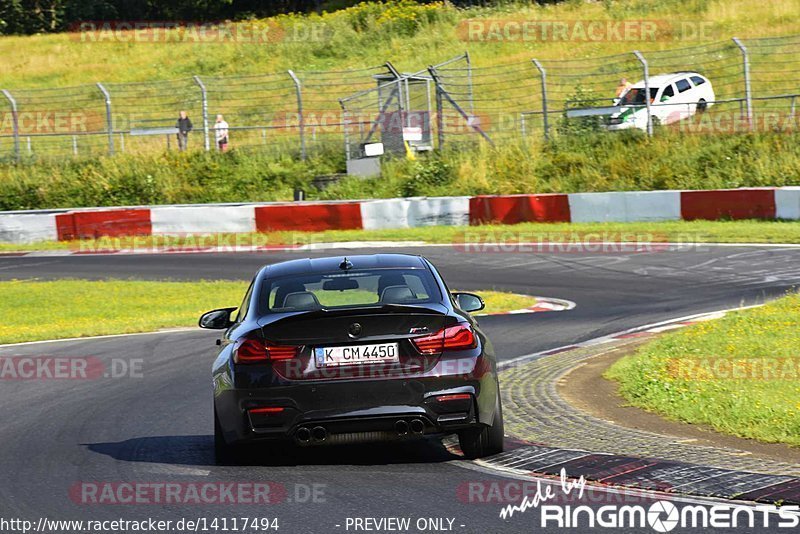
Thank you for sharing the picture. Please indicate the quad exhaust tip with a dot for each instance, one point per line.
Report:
(417, 426)
(319, 433)
(303, 435)
(401, 427)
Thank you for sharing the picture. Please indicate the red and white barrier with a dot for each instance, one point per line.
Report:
(513, 209)
(728, 204)
(175, 220)
(27, 227)
(626, 206)
(87, 224)
(412, 212)
(309, 217)
(787, 203)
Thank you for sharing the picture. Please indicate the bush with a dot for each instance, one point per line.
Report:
(593, 161)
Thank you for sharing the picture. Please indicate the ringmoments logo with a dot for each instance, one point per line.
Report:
(659, 516)
(666, 516)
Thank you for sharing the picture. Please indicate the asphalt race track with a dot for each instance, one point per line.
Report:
(157, 427)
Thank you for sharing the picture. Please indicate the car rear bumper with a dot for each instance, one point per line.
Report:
(348, 411)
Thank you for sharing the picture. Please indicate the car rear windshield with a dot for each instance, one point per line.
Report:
(349, 289)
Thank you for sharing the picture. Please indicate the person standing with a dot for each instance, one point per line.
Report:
(221, 133)
(184, 126)
(622, 88)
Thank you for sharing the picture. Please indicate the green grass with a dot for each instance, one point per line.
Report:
(597, 162)
(740, 374)
(37, 310)
(687, 232)
(369, 34)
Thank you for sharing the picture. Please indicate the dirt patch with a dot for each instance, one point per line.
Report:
(585, 388)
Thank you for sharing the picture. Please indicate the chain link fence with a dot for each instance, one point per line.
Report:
(291, 112)
(756, 85)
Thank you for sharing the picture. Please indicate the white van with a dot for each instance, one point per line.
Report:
(673, 97)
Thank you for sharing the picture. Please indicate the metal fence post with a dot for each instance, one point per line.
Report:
(109, 119)
(14, 122)
(302, 124)
(469, 82)
(204, 97)
(748, 94)
(442, 93)
(345, 124)
(545, 120)
(439, 114)
(646, 71)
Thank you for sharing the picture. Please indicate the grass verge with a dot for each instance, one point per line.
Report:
(687, 232)
(739, 375)
(571, 163)
(369, 34)
(37, 310)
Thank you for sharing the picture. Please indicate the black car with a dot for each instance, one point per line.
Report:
(349, 350)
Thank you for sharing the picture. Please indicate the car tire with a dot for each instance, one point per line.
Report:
(481, 442)
(702, 106)
(224, 453)
(656, 122)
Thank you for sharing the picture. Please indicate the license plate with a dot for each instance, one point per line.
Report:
(356, 355)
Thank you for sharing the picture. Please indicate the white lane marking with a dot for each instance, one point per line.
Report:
(170, 469)
(107, 336)
(610, 337)
(363, 245)
(35, 264)
(548, 303)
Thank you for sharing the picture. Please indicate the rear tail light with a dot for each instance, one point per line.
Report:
(267, 410)
(458, 337)
(454, 397)
(253, 350)
(281, 352)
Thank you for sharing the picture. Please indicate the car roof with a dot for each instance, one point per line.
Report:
(331, 264)
(664, 79)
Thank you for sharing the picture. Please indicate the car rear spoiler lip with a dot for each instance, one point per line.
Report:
(387, 309)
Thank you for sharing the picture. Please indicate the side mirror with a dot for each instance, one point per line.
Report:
(216, 319)
(469, 302)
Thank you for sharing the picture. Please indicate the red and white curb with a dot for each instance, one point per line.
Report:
(376, 214)
(543, 304)
(639, 331)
